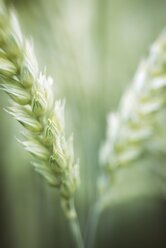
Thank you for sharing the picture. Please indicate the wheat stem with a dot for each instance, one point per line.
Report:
(92, 225)
(75, 227)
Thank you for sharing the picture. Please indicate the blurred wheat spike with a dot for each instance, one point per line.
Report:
(34, 107)
(133, 125)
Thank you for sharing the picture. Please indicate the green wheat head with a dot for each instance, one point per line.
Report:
(133, 126)
(34, 106)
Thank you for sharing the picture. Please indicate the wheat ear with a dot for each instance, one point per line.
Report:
(42, 117)
(132, 127)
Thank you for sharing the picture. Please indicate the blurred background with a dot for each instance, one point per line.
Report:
(92, 49)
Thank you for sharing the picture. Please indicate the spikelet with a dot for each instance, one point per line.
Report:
(34, 107)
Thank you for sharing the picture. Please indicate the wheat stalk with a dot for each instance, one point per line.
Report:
(42, 117)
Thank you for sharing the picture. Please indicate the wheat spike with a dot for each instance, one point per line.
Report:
(131, 128)
(33, 105)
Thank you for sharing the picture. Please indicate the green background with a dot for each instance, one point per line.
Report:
(92, 49)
